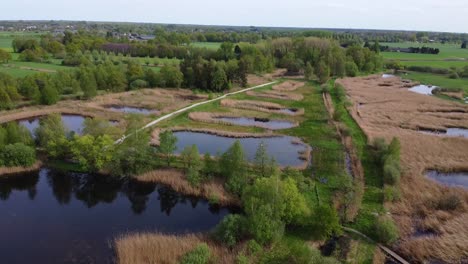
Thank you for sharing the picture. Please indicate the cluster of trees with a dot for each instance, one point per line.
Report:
(35, 50)
(16, 146)
(323, 58)
(5, 56)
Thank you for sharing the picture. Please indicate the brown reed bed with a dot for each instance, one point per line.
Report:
(277, 95)
(5, 171)
(176, 179)
(418, 208)
(287, 86)
(157, 248)
(261, 106)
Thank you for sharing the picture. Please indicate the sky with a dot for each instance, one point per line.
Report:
(423, 15)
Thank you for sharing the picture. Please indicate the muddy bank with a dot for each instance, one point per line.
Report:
(287, 86)
(277, 95)
(261, 106)
(234, 119)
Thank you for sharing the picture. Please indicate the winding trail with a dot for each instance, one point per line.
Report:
(164, 117)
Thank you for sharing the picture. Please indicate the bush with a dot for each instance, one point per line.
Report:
(352, 69)
(386, 230)
(253, 247)
(454, 75)
(391, 194)
(199, 255)
(449, 202)
(137, 84)
(391, 171)
(242, 259)
(229, 231)
(17, 154)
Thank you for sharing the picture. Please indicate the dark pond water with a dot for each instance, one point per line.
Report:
(133, 110)
(280, 147)
(270, 124)
(458, 179)
(74, 123)
(451, 132)
(51, 217)
(422, 89)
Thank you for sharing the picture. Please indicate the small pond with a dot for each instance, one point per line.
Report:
(289, 111)
(52, 217)
(259, 122)
(74, 123)
(386, 75)
(282, 148)
(457, 179)
(450, 132)
(132, 110)
(422, 89)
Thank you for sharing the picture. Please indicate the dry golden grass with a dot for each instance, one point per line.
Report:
(276, 95)
(212, 190)
(261, 106)
(155, 248)
(13, 170)
(393, 111)
(209, 117)
(287, 86)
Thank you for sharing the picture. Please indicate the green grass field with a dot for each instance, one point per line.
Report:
(451, 55)
(208, 45)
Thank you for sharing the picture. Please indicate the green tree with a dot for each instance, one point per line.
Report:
(167, 145)
(219, 80)
(5, 101)
(351, 69)
(17, 154)
(233, 166)
(322, 72)
(88, 84)
(230, 230)
(18, 134)
(209, 166)
(5, 57)
(92, 153)
(171, 76)
(49, 95)
(51, 136)
(308, 72)
(386, 230)
(261, 159)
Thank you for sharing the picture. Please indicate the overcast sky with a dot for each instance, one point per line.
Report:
(428, 15)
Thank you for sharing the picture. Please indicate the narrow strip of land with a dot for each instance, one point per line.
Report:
(162, 118)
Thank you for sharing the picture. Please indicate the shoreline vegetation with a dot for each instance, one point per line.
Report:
(262, 106)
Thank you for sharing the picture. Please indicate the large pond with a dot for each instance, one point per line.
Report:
(74, 123)
(282, 148)
(450, 132)
(132, 110)
(51, 217)
(422, 89)
(266, 123)
(457, 179)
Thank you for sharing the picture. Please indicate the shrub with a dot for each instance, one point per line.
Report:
(229, 231)
(454, 75)
(391, 171)
(137, 84)
(386, 230)
(253, 247)
(199, 255)
(17, 154)
(448, 202)
(352, 69)
(391, 194)
(242, 259)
